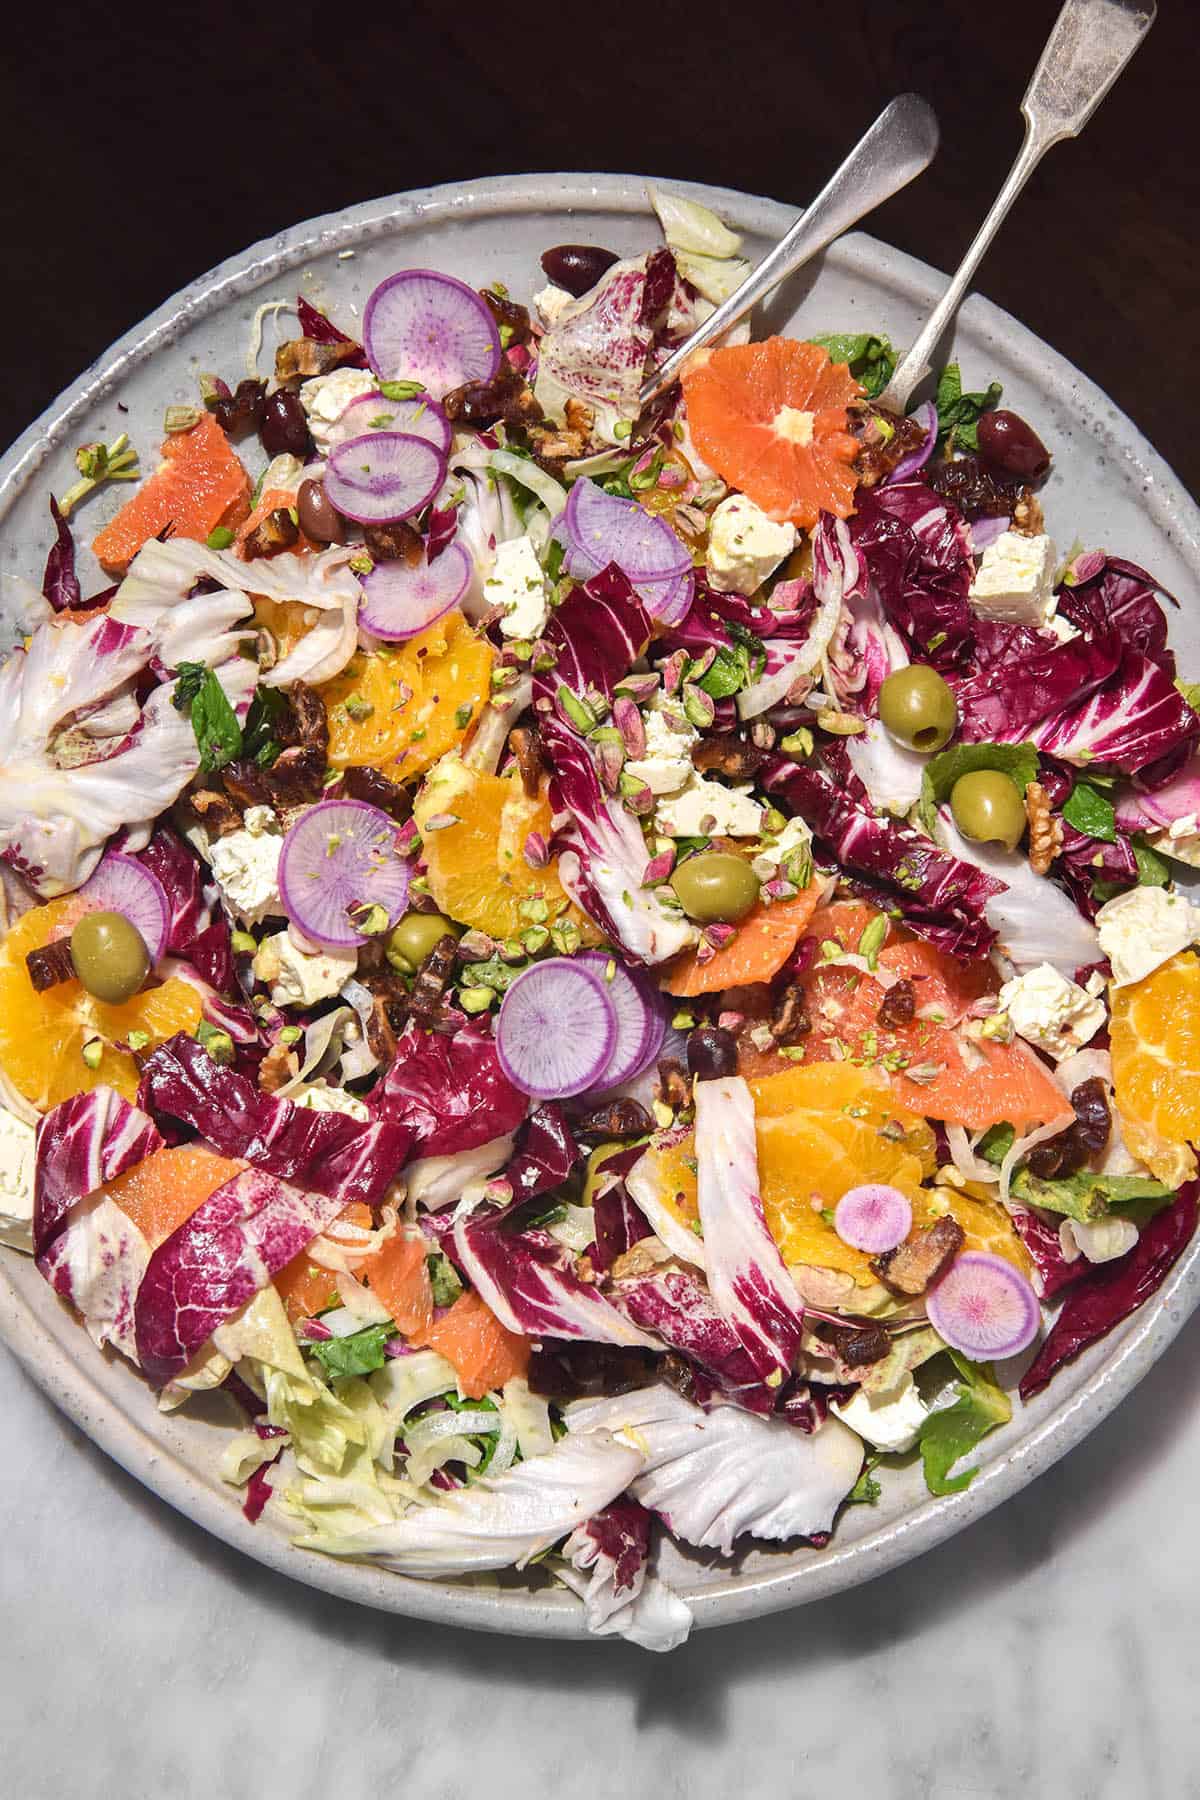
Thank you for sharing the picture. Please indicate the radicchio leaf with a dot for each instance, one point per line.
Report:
(917, 549)
(168, 857)
(449, 1093)
(713, 1477)
(331, 1154)
(1110, 1291)
(1104, 593)
(1010, 696)
(1137, 719)
(60, 584)
(530, 1281)
(609, 1571)
(547, 1154)
(82, 1144)
(746, 1275)
(597, 634)
(941, 897)
(676, 1306)
(218, 1259)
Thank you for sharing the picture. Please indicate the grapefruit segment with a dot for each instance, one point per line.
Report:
(483, 1352)
(758, 949)
(771, 419)
(199, 485)
(163, 1192)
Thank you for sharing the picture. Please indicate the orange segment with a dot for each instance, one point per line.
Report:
(771, 419)
(1155, 1042)
(423, 696)
(473, 828)
(199, 485)
(758, 949)
(484, 1353)
(303, 1285)
(42, 1035)
(399, 1274)
(165, 1190)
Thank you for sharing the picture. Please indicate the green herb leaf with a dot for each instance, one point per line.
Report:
(954, 1432)
(996, 1143)
(218, 734)
(958, 413)
(1087, 1196)
(1191, 693)
(1018, 761)
(866, 1489)
(1153, 870)
(870, 358)
(267, 708)
(443, 1279)
(1091, 812)
(357, 1354)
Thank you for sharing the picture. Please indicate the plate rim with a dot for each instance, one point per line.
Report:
(66, 1378)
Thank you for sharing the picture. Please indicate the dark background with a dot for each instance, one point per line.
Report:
(145, 145)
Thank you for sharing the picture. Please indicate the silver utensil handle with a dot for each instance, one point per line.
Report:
(898, 146)
(1090, 44)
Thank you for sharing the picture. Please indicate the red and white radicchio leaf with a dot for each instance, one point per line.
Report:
(608, 1558)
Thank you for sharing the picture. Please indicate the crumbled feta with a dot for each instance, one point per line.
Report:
(518, 584)
(795, 839)
(745, 546)
(1015, 580)
(16, 1182)
(550, 302)
(667, 764)
(326, 397)
(245, 865)
(1103, 1240)
(708, 809)
(1143, 928)
(302, 977)
(257, 819)
(318, 1096)
(1180, 839)
(891, 1419)
(1048, 1010)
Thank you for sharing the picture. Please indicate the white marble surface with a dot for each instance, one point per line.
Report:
(1047, 1651)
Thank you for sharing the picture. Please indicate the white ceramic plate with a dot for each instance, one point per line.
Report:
(1108, 488)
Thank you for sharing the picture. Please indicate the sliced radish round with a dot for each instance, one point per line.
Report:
(420, 417)
(605, 528)
(340, 855)
(122, 885)
(401, 599)
(984, 1307)
(641, 1020)
(556, 1029)
(668, 601)
(873, 1217)
(383, 476)
(420, 325)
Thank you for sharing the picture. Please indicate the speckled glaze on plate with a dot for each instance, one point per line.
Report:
(1108, 488)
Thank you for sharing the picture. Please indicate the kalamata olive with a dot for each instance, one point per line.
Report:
(918, 708)
(319, 518)
(110, 956)
(243, 410)
(711, 1053)
(1012, 446)
(577, 267)
(715, 887)
(284, 428)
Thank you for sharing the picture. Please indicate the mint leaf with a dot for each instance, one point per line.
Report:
(267, 708)
(1087, 1196)
(218, 734)
(954, 1432)
(958, 413)
(1091, 812)
(1018, 761)
(1153, 870)
(357, 1354)
(870, 358)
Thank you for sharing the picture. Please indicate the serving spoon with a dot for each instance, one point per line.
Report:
(1090, 44)
(899, 145)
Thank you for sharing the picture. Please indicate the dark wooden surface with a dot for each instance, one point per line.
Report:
(143, 146)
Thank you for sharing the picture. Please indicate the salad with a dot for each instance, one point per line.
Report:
(601, 972)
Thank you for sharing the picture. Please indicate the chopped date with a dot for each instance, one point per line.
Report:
(508, 312)
(671, 1087)
(729, 754)
(790, 1021)
(50, 965)
(377, 790)
(855, 1345)
(507, 396)
(617, 1119)
(215, 810)
(431, 981)
(898, 1006)
(241, 411)
(916, 1263)
(305, 356)
(1065, 1154)
(398, 542)
(885, 439)
(278, 531)
(526, 746)
(977, 492)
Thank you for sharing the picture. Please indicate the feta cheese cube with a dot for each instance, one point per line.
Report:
(518, 584)
(1048, 1010)
(745, 546)
(706, 808)
(1143, 928)
(245, 865)
(667, 764)
(1180, 839)
(795, 839)
(326, 397)
(1015, 579)
(301, 977)
(16, 1182)
(317, 1096)
(550, 302)
(891, 1419)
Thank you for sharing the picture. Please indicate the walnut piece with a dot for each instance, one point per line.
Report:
(279, 1066)
(1045, 831)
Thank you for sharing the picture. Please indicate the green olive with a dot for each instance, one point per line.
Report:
(715, 887)
(988, 808)
(410, 941)
(110, 956)
(917, 707)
